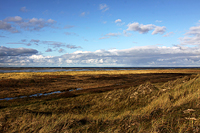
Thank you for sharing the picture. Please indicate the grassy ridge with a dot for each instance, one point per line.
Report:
(172, 107)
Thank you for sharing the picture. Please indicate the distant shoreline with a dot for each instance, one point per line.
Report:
(54, 69)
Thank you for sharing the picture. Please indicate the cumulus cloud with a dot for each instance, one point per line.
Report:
(137, 56)
(159, 30)
(23, 9)
(6, 51)
(118, 21)
(192, 37)
(103, 7)
(142, 29)
(168, 34)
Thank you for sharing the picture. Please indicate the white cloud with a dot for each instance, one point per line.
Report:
(159, 30)
(73, 47)
(113, 34)
(103, 38)
(142, 29)
(26, 24)
(103, 7)
(168, 34)
(118, 21)
(192, 37)
(51, 21)
(158, 21)
(71, 33)
(126, 34)
(13, 19)
(110, 35)
(23, 9)
(82, 14)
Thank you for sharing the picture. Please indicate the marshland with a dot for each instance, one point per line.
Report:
(157, 101)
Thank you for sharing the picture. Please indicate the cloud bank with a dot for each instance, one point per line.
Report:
(134, 57)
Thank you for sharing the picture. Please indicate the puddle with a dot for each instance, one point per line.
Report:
(76, 89)
(39, 94)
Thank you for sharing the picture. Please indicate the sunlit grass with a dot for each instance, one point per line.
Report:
(24, 75)
(145, 108)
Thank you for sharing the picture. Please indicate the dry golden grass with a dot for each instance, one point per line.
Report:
(25, 75)
(170, 107)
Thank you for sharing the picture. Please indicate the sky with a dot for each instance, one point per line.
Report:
(99, 33)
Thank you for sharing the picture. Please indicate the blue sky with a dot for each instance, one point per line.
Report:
(104, 33)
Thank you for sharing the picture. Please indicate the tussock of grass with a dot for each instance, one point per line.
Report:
(173, 107)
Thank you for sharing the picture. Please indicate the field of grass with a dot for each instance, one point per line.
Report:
(140, 101)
